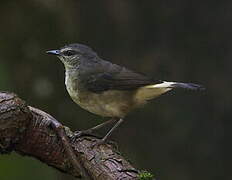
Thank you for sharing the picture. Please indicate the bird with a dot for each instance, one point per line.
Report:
(107, 89)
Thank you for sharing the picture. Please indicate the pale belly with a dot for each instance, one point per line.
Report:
(107, 104)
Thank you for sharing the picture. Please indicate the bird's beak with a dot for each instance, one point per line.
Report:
(53, 52)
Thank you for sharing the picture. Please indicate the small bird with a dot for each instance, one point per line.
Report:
(107, 89)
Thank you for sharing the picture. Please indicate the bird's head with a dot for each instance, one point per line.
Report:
(71, 54)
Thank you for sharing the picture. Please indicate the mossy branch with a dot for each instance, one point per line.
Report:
(32, 132)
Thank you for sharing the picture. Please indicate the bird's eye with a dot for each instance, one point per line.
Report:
(69, 53)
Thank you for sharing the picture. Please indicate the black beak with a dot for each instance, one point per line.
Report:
(53, 52)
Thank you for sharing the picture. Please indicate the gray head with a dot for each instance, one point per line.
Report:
(72, 53)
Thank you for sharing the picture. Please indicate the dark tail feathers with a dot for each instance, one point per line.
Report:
(191, 86)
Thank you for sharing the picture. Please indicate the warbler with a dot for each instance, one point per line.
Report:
(107, 89)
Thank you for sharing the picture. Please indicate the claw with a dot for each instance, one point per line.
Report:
(78, 134)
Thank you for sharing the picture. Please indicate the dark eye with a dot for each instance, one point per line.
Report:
(69, 53)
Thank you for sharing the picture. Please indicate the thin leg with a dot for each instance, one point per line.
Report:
(100, 125)
(112, 129)
(103, 140)
(89, 131)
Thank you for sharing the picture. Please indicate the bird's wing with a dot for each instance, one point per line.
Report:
(116, 78)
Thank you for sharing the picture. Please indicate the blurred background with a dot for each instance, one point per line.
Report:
(181, 135)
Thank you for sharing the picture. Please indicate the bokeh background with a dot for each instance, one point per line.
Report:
(181, 135)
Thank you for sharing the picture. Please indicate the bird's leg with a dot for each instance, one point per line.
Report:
(103, 140)
(89, 131)
(100, 125)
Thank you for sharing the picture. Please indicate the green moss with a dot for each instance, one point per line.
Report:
(145, 175)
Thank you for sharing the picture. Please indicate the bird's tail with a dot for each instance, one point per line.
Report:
(152, 91)
(172, 85)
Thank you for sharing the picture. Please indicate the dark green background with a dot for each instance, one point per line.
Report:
(182, 135)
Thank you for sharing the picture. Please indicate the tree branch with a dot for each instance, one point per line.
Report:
(32, 132)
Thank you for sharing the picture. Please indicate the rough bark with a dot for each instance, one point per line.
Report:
(31, 132)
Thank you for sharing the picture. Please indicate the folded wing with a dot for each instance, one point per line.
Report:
(117, 78)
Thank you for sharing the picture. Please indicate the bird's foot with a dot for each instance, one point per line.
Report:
(78, 134)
